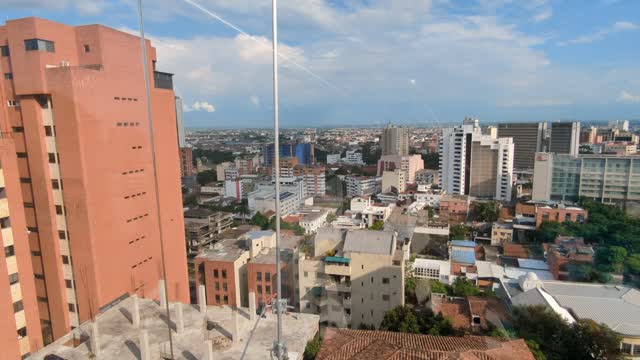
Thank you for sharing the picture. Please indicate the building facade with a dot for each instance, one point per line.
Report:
(362, 185)
(394, 140)
(565, 138)
(605, 178)
(77, 111)
(528, 139)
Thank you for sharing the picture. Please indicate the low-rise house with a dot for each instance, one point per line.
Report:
(501, 233)
(565, 252)
(543, 211)
(454, 208)
(313, 220)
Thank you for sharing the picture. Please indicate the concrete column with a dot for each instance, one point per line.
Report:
(202, 299)
(252, 306)
(163, 299)
(209, 352)
(95, 339)
(145, 350)
(179, 318)
(235, 326)
(135, 313)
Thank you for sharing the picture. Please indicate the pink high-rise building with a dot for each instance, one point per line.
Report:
(74, 108)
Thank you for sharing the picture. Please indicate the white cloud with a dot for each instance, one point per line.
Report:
(627, 97)
(254, 100)
(412, 81)
(543, 15)
(601, 34)
(85, 7)
(199, 106)
(536, 103)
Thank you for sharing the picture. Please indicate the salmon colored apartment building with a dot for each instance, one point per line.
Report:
(79, 176)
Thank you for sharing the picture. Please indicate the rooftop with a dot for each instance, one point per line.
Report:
(119, 339)
(370, 242)
(224, 250)
(463, 243)
(268, 256)
(348, 344)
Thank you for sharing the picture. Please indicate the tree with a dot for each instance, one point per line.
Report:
(595, 341)
(487, 211)
(190, 200)
(535, 350)
(632, 264)
(298, 230)
(205, 177)
(409, 288)
(364, 326)
(438, 287)
(458, 232)
(401, 319)
(549, 230)
(213, 156)
(431, 161)
(331, 217)
(312, 348)
(377, 225)
(259, 220)
(242, 209)
(587, 273)
(464, 287)
(611, 259)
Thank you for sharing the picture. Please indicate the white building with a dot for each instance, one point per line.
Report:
(619, 124)
(475, 164)
(263, 200)
(333, 158)
(314, 220)
(353, 157)
(362, 186)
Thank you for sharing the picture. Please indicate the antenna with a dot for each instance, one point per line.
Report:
(279, 349)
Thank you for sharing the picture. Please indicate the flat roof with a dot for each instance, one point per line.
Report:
(369, 242)
(463, 256)
(464, 243)
(119, 339)
(224, 250)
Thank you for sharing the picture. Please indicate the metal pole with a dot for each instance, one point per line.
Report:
(276, 135)
(155, 167)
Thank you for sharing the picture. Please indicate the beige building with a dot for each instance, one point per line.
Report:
(351, 277)
(394, 180)
(501, 233)
(394, 140)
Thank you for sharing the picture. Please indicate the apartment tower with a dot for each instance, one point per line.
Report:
(528, 139)
(565, 138)
(74, 107)
(395, 140)
(475, 164)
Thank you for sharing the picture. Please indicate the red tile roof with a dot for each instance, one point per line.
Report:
(349, 344)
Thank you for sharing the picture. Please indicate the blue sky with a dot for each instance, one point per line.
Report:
(367, 62)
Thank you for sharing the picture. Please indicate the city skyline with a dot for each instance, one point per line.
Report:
(497, 60)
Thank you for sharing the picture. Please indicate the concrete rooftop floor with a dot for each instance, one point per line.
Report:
(119, 339)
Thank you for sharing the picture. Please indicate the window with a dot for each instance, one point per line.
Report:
(224, 274)
(385, 280)
(4, 50)
(259, 276)
(385, 297)
(55, 184)
(267, 289)
(42, 299)
(216, 285)
(39, 276)
(267, 276)
(21, 155)
(225, 299)
(18, 306)
(18, 129)
(626, 348)
(13, 103)
(215, 273)
(217, 299)
(39, 45)
(306, 274)
(68, 284)
(62, 235)
(259, 289)
(8, 76)
(48, 130)
(5, 223)
(86, 48)
(65, 259)
(28, 205)
(59, 209)
(36, 253)
(9, 251)
(52, 158)
(22, 332)
(72, 307)
(636, 350)
(25, 180)
(13, 279)
(224, 286)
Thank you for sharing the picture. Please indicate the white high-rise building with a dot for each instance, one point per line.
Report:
(619, 124)
(475, 164)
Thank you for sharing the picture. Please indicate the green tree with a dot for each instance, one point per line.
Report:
(431, 161)
(364, 326)
(535, 350)
(632, 264)
(594, 341)
(611, 259)
(205, 177)
(410, 289)
(458, 232)
(331, 217)
(438, 287)
(259, 220)
(377, 225)
(213, 156)
(401, 319)
(298, 230)
(465, 287)
(312, 348)
(487, 211)
(587, 273)
(190, 200)
(243, 210)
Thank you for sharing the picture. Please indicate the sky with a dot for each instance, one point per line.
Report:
(369, 62)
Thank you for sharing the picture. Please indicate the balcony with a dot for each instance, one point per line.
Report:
(163, 80)
(346, 302)
(337, 286)
(335, 269)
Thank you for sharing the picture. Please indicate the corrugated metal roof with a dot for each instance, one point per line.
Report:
(463, 256)
(463, 243)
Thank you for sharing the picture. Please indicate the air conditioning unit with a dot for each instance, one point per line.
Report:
(64, 63)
